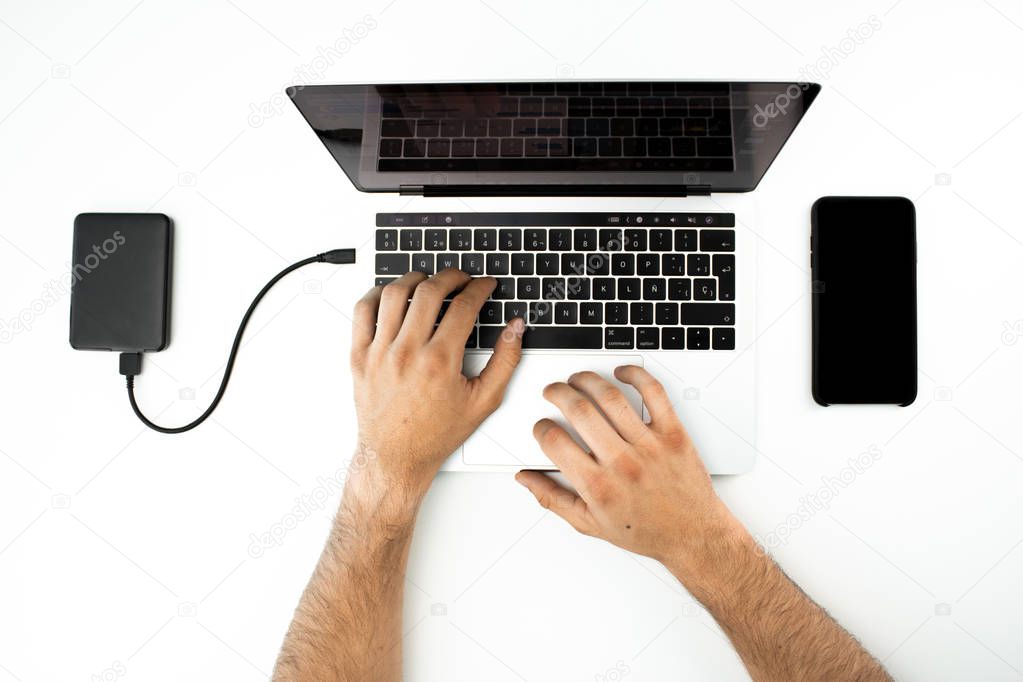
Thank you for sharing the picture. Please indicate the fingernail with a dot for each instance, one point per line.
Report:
(518, 478)
(518, 325)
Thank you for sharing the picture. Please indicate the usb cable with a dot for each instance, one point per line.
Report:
(131, 363)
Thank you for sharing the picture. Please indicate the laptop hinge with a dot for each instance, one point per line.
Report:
(559, 190)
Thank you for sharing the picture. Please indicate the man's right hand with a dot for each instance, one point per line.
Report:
(640, 485)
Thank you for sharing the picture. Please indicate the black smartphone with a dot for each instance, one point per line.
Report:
(120, 291)
(863, 265)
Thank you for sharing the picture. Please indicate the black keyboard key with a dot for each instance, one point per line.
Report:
(604, 288)
(673, 338)
(683, 146)
(392, 263)
(451, 127)
(699, 106)
(680, 289)
(439, 148)
(666, 314)
(616, 313)
(383, 281)
(547, 263)
(673, 264)
(708, 313)
(610, 240)
(473, 339)
(659, 146)
(647, 264)
(579, 107)
(422, 262)
(629, 289)
(460, 240)
(472, 263)
(463, 147)
(598, 264)
(698, 264)
(546, 337)
(585, 240)
(391, 148)
(675, 106)
(705, 289)
(573, 264)
(475, 128)
(500, 127)
(528, 288)
(634, 146)
(661, 240)
(591, 312)
(635, 240)
(685, 240)
(714, 146)
(641, 313)
(723, 338)
(511, 146)
(651, 106)
(531, 106)
(553, 288)
(654, 289)
(559, 146)
(604, 107)
(559, 240)
(492, 312)
(622, 127)
(387, 240)
(671, 127)
(487, 147)
(397, 128)
(484, 239)
(436, 240)
(695, 127)
(498, 263)
(566, 313)
(509, 240)
(414, 148)
(646, 127)
(648, 338)
(724, 269)
(578, 288)
(609, 146)
(541, 312)
(623, 264)
(447, 261)
(536, 240)
(513, 309)
(598, 127)
(584, 146)
(427, 127)
(575, 127)
(505, 289)
(522, 264)
(717, 240)
(617, 337)
(698, 338)
(411, 240)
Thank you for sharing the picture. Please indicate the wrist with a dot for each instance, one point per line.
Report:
(379, 491)
(701, 559)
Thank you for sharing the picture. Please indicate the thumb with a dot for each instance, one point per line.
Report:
(507, 352)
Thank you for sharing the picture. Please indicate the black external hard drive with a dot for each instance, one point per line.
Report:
(120, 292)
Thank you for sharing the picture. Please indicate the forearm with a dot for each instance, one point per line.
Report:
(778, 631)
(348, 623)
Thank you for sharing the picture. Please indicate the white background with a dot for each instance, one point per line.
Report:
(125, 553)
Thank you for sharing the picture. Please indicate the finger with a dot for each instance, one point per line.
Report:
(364, 321)
(587, 420)
(577, 464)
(425, 306)
(654, 396)
(393, 302)
(557, 499)
(612, 403)
(494, 378)
(459, 318)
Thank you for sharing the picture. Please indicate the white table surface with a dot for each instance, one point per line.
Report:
(125, 553)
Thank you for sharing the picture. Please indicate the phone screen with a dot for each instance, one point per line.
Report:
(863, 254)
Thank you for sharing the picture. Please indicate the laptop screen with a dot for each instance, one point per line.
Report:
(597, 134)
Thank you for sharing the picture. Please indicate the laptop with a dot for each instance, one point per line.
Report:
(600, 284)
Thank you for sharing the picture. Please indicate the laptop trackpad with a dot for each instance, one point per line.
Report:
(506, 437)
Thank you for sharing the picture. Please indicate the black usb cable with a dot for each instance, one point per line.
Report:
(131, 363)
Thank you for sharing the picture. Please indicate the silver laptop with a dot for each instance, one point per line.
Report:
(599, 285)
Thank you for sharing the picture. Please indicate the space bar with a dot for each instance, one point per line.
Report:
(548, 337)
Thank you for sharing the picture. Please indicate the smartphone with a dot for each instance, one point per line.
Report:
(120, 287)
(863, 265)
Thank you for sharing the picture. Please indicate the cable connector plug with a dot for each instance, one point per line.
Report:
(338, 256)
(131, 364)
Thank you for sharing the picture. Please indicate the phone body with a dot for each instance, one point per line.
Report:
(121, 282)
(863, 266)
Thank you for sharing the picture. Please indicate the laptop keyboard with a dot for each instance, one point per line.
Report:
(559, 127)
(583, 281)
